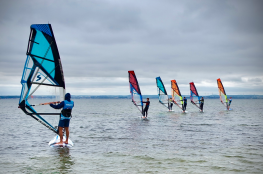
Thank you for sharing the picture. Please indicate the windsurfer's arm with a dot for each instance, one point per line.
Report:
(59, 106)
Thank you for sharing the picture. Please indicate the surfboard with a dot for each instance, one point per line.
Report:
(145, 119)
(230, 109)
(56, 139)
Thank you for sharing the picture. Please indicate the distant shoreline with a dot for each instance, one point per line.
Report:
(129, 97)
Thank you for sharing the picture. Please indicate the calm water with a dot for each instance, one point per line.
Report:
(110, 137)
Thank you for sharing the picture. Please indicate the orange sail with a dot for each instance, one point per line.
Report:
(222, 93)
(176, 94)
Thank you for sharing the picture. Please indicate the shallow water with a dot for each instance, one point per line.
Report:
(110, 137)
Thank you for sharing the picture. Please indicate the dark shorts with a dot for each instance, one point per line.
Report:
(64, 123)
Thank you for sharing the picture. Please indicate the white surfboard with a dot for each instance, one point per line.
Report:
(229, 109)
(146, 119)
(56, 139)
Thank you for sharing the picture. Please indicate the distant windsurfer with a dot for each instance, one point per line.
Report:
(185, 104)
(170, 103)
(201, 104)
(229, 102)
(65, 116)
(145, 111)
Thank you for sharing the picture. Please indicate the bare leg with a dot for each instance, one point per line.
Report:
(67, 134)
(60, 129)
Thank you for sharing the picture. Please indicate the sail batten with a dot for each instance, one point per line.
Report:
(42, 75)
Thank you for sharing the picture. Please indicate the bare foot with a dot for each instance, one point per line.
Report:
(60, 143)
(65, 142)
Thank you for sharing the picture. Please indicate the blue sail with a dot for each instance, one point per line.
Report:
(194, 96)
(42, 75)
(163, 97)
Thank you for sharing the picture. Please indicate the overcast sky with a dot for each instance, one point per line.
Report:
(100, 40)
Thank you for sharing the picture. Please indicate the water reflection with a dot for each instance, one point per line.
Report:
(65, 161)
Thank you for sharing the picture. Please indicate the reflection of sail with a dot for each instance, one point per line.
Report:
(222, 93)
(176, 94)
(194, 95)
(163, 97)
(42, 75)
(135, 91)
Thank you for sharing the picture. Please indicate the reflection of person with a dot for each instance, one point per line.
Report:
(185, 104)
(146, 108)
(201, 104)
(65, 116)
(170, 103)
(229, 102)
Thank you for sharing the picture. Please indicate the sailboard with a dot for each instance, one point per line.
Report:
(195, 99)
(42, 77)
(135, 91)
(222, 94)
(163, 97)
(176, 94)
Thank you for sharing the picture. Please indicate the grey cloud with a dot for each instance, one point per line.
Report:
(183, 40)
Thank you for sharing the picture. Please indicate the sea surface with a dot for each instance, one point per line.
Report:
(110, 137)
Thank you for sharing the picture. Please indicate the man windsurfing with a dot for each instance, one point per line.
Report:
(201, 104)
(185, 104)
(145, 111)
(229, 102)
(65, 116)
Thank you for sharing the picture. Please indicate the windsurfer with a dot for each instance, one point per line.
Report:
(65, 116)
(146, 108)
(201, 104)
(185, 104)
(170, 104)
(229, 102)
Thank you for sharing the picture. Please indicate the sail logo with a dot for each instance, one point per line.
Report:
(38, 78)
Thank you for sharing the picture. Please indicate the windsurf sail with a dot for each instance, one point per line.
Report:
(222, 93)
(195, 99)
(176, 94)
(163, 97)
(43, 77)
(135, 91)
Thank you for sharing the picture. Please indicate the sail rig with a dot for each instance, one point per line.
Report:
(135, 91)
(163, 97)
(195, 99)
(222, 93)
(176, 94)
(43, 77)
